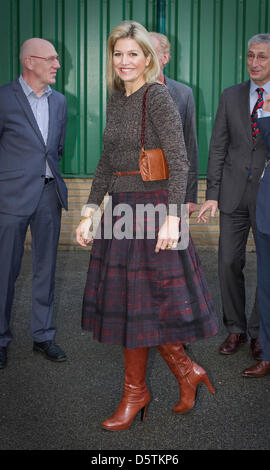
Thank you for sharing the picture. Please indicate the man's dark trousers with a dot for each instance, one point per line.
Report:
(45, 228)
(234, 231)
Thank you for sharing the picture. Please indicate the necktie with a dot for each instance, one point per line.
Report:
(254, 114)
(254, 125)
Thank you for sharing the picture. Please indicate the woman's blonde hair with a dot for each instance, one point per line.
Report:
(133, 30)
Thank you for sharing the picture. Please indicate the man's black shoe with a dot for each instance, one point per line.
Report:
(3, 357)
(50, 350)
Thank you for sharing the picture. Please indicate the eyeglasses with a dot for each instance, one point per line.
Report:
(48, 59)
(260, 57)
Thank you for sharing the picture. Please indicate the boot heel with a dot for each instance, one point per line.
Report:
(143, 412)
(208, 384)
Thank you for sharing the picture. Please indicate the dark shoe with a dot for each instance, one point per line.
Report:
(258, 370)
(3, 357)
(232, 342)
(50, 350)
(255, 349)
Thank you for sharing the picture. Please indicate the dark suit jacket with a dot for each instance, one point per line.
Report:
(263, 199)
(182, 95)
(23, 152)
(231, 151)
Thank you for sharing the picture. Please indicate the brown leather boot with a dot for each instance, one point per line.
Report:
(136, 396)
(188, 374)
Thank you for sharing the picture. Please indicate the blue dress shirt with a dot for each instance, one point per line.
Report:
(40, 108)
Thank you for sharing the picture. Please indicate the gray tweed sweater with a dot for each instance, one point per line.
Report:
(122, 145)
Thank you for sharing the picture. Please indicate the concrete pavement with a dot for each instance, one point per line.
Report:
(60, 406)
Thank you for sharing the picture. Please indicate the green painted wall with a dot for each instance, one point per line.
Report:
(208, 39)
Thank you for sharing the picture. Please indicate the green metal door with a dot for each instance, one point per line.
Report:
(208, 39)
(79, 31)
(209, 44)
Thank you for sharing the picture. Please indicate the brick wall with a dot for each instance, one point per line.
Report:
(205, 236)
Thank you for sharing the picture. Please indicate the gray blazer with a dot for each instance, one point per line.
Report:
(232, 152)
(182, 95)
(23, 152)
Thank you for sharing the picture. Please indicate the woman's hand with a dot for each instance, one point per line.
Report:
(82, 231)
(168, 234)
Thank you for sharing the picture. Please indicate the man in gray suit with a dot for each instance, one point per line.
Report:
(236, 161)
(183, 98)
(32, 192)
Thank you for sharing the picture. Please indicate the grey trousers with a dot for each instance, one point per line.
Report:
(234, 231)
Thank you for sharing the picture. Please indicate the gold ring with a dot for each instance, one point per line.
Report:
(169, 247)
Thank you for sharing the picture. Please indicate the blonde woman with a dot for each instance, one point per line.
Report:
(139, 292)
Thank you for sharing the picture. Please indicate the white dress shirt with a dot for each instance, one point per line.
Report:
(254, 96)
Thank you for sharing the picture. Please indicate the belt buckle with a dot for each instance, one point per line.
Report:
(48, 179)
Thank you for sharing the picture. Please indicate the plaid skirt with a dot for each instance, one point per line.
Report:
(138, 298)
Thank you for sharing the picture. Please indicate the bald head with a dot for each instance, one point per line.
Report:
(40, 63)
(35, 46)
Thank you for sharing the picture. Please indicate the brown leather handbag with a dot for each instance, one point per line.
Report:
(152, 163)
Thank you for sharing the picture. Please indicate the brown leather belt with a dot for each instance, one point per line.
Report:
(125, 173)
